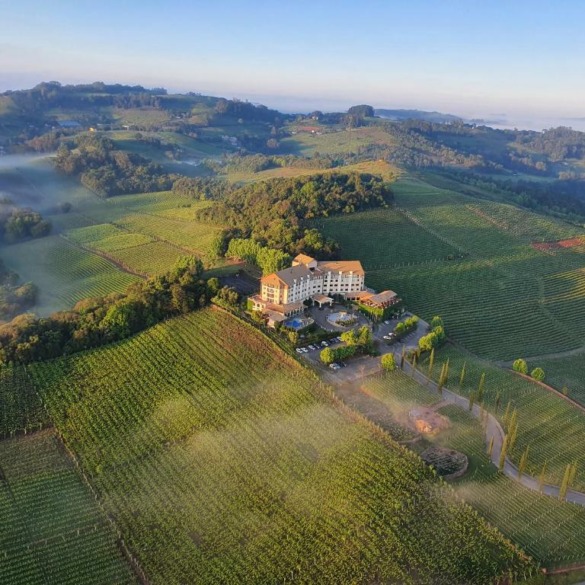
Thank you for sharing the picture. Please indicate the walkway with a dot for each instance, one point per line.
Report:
(494, 430)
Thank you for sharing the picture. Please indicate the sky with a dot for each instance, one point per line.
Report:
(509, 59)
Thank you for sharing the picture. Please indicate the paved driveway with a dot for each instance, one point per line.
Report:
(359, 367)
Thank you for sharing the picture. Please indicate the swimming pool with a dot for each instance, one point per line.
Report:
(295, 323)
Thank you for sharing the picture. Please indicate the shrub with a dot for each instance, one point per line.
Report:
(388, 362)
(537, 374)
(520, 365)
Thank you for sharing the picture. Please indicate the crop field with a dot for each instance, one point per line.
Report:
(336, 143)
(149, 259)
(64, 273)
(189, 235)
(222, 460)
(393, 240)
(550, 531)
(567, 374)
(504, 299)
(143, 234)
(552, 428)
(51, 529)
(22, 410)
(379, 167)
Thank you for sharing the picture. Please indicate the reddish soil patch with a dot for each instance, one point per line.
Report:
(427, 421)
(547, 246)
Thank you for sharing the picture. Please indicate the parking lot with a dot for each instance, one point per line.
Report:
(359, 367)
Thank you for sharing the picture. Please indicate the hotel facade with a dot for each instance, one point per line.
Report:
(282, 294)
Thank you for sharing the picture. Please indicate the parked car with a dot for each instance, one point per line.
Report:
(334, 366)
(299, 350)
(324, 344)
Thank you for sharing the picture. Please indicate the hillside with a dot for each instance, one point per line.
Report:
(218, 457)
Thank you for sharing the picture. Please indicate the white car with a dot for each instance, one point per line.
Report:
(334, 366)
(299, 350)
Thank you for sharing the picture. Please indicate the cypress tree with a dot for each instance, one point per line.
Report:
(471, 401)
(523, 462)
(498, 400)
(462, 375)
(565, 483)
(402, 358)
(507, 413)
(542, 477)
(413, 371)
(491, 447)
(431, 362)
(480, 387)
(503, 454)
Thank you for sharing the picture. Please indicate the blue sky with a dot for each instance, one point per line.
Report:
(525, 58)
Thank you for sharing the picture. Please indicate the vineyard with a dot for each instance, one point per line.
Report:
(503, 298)
(63, 272)
(132, 236)
(552, 428)
(51, 529)
(22, 410)
(551, 531)
(222, 460)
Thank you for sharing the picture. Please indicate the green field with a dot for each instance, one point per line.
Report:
(336, 142)
(64, 273)
(141, 235)
(567, 373)
(504, 299)
(551, 531)
(51, 529)
(22, 410)
(224, 461)
(552, 427)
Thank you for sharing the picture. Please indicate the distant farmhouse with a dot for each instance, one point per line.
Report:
(283, 294)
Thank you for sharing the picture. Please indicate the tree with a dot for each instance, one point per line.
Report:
(431, 362)
(480, 388)
(462, 375)
(503, 453)
(537, 374)
(327, 356)
(388, 362)
(437, 321)
(523, 462)
(520, 366)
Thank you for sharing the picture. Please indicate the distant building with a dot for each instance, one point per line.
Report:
(69, 124)
(284, 292)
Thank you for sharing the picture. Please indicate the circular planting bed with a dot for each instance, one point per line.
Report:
(448, 463)
(342, 319)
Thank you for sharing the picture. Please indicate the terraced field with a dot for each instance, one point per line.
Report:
(51, 529)
(551, 531)
(224, 461)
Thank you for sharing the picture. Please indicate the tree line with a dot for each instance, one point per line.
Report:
(17, 224)
(275, 213)
(98, 321)
(15, 297)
